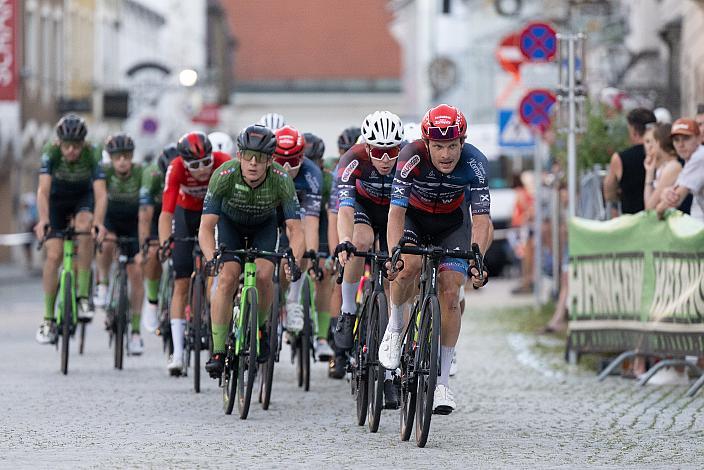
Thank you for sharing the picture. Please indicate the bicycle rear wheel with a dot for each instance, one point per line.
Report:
(268, 367)
(376, 373)
(197, 314)
(306, 334)
(66, 320)
(427, 367)
(247, 368)
(408, 378)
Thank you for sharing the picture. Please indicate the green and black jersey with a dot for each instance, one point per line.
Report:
(71, 178)
(123, 193)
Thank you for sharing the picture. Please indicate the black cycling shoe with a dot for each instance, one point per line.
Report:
(391, 401)
(337, 367)
(344, 331)
(215, 365)
(263, 355)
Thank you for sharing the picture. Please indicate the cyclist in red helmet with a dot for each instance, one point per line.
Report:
(438, 180)
(186, 183)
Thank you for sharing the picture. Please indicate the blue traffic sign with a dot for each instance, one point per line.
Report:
(512, 132)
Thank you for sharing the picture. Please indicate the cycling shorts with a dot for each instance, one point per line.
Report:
(154, 227)
(374, 215)
(186, 223)
(62, 209)
(450, 231)
(237, 236)
(124, 227)
(323, 233)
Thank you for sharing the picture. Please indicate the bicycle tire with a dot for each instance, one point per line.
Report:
(197, 313)
(427, 360)
(248, 355)
(360, 369)
(268, 367)
(165, 293)
(229, 375)
(121, 320)
(306, 334)
(66, 320)
(376, 373)
(408, 379)
(82, 338)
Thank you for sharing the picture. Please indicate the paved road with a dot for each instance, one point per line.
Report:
(519, 406)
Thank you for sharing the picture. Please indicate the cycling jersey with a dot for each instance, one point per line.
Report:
(334, 202)
(123, 192)
(71, 179)
(182, 189)
(228, 195)
(421, 186)
(309, 187)
(152, 187)
(357, 179)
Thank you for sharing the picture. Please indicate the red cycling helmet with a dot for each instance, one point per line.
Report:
(444, 122)
(289, 147)
(194, 146)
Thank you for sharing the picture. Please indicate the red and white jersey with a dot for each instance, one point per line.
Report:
(182, 189)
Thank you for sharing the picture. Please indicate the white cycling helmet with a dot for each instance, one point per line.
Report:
(273, 121)
(382, 129)
(221, 142)
(412, 132)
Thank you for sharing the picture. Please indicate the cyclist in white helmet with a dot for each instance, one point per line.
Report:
(222, 142)
(273, 121)
(411, 131)
(364, 179)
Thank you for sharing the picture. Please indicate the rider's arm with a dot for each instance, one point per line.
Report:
(345, 223)
(172, 185)
(101, 201)
(296, 238)
(206, 234)
(146, 212)
(482, 231)
(346, 180)
(394, 230)
(310, 232)
(43, 198)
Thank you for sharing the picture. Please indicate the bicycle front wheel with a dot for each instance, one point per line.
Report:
(375, 371)
(248, 354)
(427, 367)
(121, 320)
(66, 320)
(306, 334)
(408, 377)
(268, 367)
(361, 366)
(229, 375)
(197, 314)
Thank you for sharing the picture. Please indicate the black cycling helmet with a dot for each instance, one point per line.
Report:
(257, 137)
(315, 147)
(348, 138)
(194, 146)
(71, 128)
(119, 143)
(167, 156)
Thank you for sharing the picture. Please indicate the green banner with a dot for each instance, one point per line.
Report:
(637, 283)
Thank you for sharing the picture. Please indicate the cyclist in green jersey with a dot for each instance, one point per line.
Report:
(123, 179)
(71, 187)
(241, 201)
(150, 194)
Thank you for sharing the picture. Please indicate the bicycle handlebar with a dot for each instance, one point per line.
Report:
(68, 233)
(253, 253)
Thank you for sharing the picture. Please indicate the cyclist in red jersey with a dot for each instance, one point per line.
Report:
(186, 183)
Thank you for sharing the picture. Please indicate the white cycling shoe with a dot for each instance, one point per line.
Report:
(175, 365)
(390, 349)
(443, 400)
(100, 298)
(294, 317)
(136, 346)
(323, 351)
(150, 320)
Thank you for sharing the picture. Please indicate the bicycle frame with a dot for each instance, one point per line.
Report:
(250, 282)
(67, 267)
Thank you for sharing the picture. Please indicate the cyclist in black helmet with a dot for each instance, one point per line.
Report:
(71, 188)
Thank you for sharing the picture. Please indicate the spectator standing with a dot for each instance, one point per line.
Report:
(662, 167)
(687, 141)
(625, 180)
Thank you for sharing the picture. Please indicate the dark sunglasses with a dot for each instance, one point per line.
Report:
(259, 157)
(448, 133)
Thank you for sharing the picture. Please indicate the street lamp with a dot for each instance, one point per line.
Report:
(188, 77)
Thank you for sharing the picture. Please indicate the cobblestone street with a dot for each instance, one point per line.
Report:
(519, 405)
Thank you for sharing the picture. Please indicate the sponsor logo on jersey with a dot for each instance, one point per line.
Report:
(343, 194)
(227, 172)
(478, 171)
(194, 191)
(484, 198)
(398, 192)
(312, 183)
(431, 174)
(349, 170)
(410, 165)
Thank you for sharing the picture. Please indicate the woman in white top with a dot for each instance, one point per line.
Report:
(661, 164)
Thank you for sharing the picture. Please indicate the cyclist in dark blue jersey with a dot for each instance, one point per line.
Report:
(428, 205)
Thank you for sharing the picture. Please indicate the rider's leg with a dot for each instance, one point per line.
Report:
(103, 260)
(152, 273)
(449, 283)
(221, 307)
(362, 239)
(265, 272)
(136, 279)
(401, 291)
(54, 254)
(84, 223)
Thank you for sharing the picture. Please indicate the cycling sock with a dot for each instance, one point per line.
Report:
(396, 319)
(153, 290)
(294, 291)
(349, 296)
(219, 337)
(323, 324)
(136, 318)
(178, 326)
(83, 283)
(49, 301)
(445, 362)
(388, 375)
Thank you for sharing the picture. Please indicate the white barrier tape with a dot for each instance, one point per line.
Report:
(14, 239)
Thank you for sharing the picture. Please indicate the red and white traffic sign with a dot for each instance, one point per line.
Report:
(538, 41)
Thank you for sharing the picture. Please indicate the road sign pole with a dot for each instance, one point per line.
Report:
(538, 221)
(572, 130)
